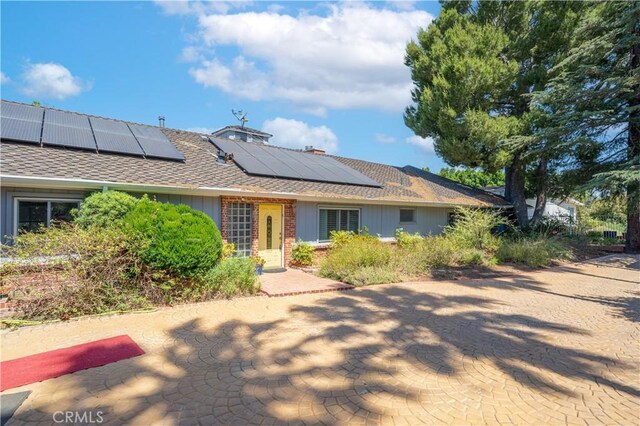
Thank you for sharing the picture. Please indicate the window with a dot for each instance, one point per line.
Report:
(338, 219)
(33, 214)
(451, 218)
(239, 227)
(407, 215)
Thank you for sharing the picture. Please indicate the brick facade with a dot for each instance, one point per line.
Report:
(289, 225)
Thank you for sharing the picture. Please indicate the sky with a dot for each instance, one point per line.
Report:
(331, 75)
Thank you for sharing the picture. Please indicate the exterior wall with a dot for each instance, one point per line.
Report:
(379, 219)
(207, 205)
(289, 225)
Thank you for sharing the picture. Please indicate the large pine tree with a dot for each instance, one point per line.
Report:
(595, 99)
(474, 69)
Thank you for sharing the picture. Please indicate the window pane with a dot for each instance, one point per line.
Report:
(354, 220)
(407, 215)
(61, 211)
(239, 227)
(32, 215)
(344, 220)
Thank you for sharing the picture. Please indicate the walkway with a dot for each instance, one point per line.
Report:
(552, 347)
(295, 281)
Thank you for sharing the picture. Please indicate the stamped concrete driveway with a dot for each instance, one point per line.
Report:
(552, 347)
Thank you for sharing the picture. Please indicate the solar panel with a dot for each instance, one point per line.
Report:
(154, 143)
(63, 128)
(20, 122)
(271, 161)
(114, 136)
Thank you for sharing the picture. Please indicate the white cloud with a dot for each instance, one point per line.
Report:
(352, 57)
(50, 80)
(203, 130)
(402, 4)
(188, 7)
(4, 79)
(298, 134)
(426, 144)
(382, 138)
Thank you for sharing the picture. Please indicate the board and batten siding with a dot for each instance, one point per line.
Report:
(208, 205)
(379, 219)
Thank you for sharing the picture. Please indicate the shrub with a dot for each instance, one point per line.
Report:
(343, 261)
(232, 276)
(103, 209)
(404, 239)
(340, 238)
(181, 240)
(534, 252)
(474, 228)
(90, 271)
(228, 250)
(302, 253)
(438, 252)
(374, 275)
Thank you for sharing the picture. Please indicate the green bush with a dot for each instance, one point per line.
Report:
(535, 252)
(104, 209)
(344, 260)
(232, 276)
(181, 240)
(474, 228)
(438, 252)
(302, 253)
(404, 239)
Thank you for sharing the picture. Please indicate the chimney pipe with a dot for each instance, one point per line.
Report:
(310, 149)
(161, 121)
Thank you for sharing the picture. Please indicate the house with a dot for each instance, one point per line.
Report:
(263, 198)
(565, 210)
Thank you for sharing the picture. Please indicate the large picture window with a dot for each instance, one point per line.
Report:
(34, 214)
(337, 219)
(239, 227)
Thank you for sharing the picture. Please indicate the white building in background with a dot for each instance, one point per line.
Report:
(566, 209)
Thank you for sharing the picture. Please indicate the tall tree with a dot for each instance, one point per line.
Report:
(474, 69)
(473, 177)
(595, 97)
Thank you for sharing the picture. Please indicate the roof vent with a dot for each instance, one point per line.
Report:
(161, 121)
(310, 149)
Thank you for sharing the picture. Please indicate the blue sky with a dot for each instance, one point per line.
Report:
(324, 74)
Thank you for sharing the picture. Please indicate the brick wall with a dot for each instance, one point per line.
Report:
(289, 231)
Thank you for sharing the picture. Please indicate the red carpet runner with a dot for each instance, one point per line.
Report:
(47, 365)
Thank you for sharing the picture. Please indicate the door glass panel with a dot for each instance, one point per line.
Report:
(61, 211)
(32, 215)
(269, 233)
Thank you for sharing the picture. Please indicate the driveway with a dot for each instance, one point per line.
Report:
(552, 347)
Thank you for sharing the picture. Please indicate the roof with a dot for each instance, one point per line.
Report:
(242, 129)
(201, 171)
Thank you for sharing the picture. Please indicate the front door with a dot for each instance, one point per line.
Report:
(270, 234)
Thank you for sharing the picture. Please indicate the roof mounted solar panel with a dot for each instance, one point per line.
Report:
(21, 123)
(155, 143)
(114, 136)
(67, 129)
(267, 160)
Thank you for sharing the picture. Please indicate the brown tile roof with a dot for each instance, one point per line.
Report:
(201, 169)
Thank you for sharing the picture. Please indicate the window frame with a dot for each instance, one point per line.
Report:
(247, 232)
(415, 214)
(16, 205)
(337, 208)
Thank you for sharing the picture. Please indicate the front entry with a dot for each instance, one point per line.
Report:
(270, 234)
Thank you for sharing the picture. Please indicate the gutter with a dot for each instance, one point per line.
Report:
(88, 184)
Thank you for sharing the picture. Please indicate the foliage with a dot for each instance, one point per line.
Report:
(257, 260)
(404, 239)
(90, 271)
(595, 97)
(475, 178)
(181, 240)
(231, 277)
(436, 252)
(228, 250)
(103, 209)
(302, 253)
(534, 252)
(473, 69)
(344, 260)
(612, 209)
(474, 228)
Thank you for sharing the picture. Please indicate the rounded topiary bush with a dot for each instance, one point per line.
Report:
(104, 209)
(181, 240)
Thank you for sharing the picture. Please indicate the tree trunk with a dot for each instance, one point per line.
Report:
(632, 240)
(514, 192)
(541, 194)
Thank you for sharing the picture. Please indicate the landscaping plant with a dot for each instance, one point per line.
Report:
(302, 254)
(105, 209)
(232, 277)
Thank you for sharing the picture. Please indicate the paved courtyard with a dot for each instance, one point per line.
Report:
(553, 347)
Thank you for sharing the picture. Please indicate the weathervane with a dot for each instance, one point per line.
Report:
(241, 116)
